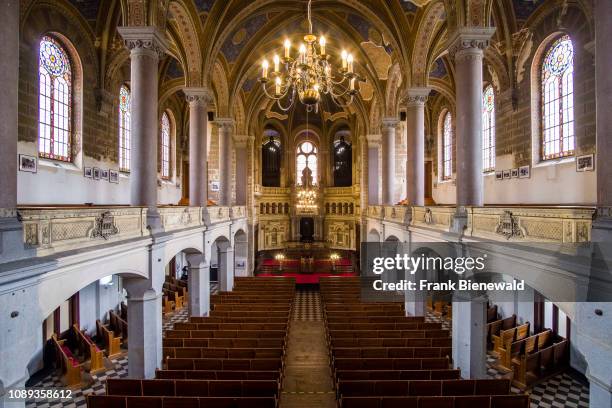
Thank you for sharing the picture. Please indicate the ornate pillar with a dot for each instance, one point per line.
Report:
(240, 146)
(467, 46)
(372, 148)
(226, 128)
(251, 204)
(147, 45)
(415, 159)
(198, 99)
(199, 285)
(11, 230)
(388, 160)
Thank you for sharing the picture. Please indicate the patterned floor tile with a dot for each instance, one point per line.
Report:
(307, 305)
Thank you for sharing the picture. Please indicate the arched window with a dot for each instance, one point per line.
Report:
(306, 158)
(447, 147)
(55, 101)
(488, 130)
(343, 163)
(165, 146)
(271, 160)
(124, 128)
(558, 100)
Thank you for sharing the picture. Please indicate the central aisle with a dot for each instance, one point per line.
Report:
(308, 380)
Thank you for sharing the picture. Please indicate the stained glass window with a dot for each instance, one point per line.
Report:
(447, 147)
(271, 159)
(165, 145)
(488, 130)
(54, 101)
(306, 157)
(124, 128)
(558, 100)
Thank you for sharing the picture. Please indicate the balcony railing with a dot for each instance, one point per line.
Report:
(527, 224)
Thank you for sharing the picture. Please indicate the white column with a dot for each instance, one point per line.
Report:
(467, 48)
(240, 146)
(145, 323)
(198, 99)
(198, 284)
(226, 269)
(226, 128)
(11, 233)
(372, 147)
(146, 45)
(469, 339)
(415, 158)
(388, 160)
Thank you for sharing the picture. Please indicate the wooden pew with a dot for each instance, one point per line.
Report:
(118, 326)
(217, 375)
(67, 363)
(111, 342)
(391, 342)
(495, 327)
(369, 375)
(391, 352)
(117, 401)
(391, 363)
(89, 349)
(168, 305)
(207, 352)
(414, 334)
(506, 337)
(531, 368)
(231, 364)
(423, 387)
(479, 401)
(526, 345)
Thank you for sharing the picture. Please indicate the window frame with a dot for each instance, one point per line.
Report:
(165, 148)
(446, 149)
(125, 137)
(300, 152)
(488, 131)
(560, 99)
(51, 96)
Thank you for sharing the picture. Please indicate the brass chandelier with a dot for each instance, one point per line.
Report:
(309, 75)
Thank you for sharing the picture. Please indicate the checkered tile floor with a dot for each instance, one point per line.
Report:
(307, 305)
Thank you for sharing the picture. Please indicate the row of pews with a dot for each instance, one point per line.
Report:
(382, 358)
(531, 357)
(232, 358)
(76, 352)
(175, 295)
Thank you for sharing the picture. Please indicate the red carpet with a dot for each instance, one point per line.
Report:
(306, 278)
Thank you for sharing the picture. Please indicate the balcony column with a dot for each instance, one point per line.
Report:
(226, 129)
(199, 285)
(466, 47)
(147, 45)
(372, 147)
(198, 99)
(415, 160)
(145, 316)
(11, 231)
(469, 334)
(226, 268)
(388, 160)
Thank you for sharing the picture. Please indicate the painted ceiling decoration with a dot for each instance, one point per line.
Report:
(234, 44)
(175, 70)
(523, 9)
(438, 70)
(87, 8)
(204, 5)
(408, 6)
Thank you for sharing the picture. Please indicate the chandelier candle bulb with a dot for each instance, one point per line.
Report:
(322, 42)
(287, 48)
(276, 63)
(344, 59)
(265, 66)
(349, 60)
(353, 84)
(303, 54)
(278, 85)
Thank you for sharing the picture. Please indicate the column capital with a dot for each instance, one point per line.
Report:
(225, 123)
(198, 96)
(473, 40)
(389, 123)
(240, 141)
(416, 96)
(373, 140)
(144, 39)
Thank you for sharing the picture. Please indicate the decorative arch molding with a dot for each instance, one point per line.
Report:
(393, 90)
(429, 24)
(188, 24)
(221, 89)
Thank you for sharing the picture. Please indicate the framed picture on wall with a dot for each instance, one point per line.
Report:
(585, 163)
(27, 163)
(113, 176)
(507, 174)
(88, 172)
(515, 173)
(499, 175)
(96, 173)
(104, 174)
(214, 186)
(524, 172)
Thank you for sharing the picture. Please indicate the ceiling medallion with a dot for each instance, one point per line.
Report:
(309, 75)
